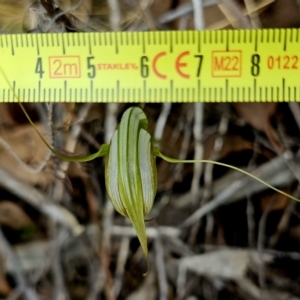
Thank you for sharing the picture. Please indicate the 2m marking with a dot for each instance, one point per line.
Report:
(227, 63)
(64, 67)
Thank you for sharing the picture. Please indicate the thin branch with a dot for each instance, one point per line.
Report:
(181, 282)
(234, 13)
(225, 22)
(69, 147)
(254, 17)
(185, 143)
(151, 232)
(161, 122)
(261, 243)
(29, 169)
(36, 199)
(114, 15)
(27, 291)
(62, 13)
(275, 172)
(172, 15)
(149, 20)
(60, 290)
(161, 269)
(197, 130)
(121, 262)
(198, 14)
(250, 207)
(284, 223)
(208, 174)
(295, 108)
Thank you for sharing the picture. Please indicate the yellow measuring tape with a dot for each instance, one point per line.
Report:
(160, 66)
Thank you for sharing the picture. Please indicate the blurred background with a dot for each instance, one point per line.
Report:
(213, 233)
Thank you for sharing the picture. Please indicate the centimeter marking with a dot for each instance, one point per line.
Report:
(159, 66)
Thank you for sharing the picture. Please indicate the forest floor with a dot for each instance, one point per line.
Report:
(213, 233)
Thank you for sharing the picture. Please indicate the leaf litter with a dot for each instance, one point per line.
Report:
(228, 238)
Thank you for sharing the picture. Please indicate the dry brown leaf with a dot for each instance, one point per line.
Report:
(11, 114)
(294, 233)
(229, 264)
(146, 290)
(13, 216)
(5, 117)
(5, 288)
(212, 15)
(11, 15)
(281, 14)
(26, 146)
(160, 7)
(279, 201)
(82, 12)
(231, 144)
(258, 116)
(221, 23)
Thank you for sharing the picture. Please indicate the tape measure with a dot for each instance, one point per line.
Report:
(159, 66)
